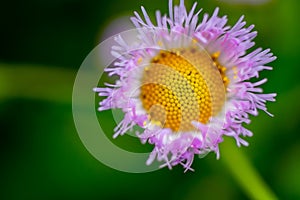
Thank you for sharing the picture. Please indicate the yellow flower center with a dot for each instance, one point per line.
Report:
(181, 86)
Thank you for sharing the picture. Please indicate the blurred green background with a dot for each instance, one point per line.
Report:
(43, 44)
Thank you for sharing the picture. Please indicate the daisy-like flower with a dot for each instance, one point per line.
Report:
(186, 82)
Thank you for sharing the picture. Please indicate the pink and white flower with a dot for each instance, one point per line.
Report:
(162, 44)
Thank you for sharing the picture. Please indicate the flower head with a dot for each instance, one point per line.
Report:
(186, 82)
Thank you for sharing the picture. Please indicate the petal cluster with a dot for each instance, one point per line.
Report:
(177, 30)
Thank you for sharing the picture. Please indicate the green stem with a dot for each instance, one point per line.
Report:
(244, 172)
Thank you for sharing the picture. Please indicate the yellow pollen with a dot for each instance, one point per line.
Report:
(182, 86)
(139, 61)
(221, 68)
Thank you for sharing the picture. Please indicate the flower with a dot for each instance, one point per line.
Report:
(187, 83)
